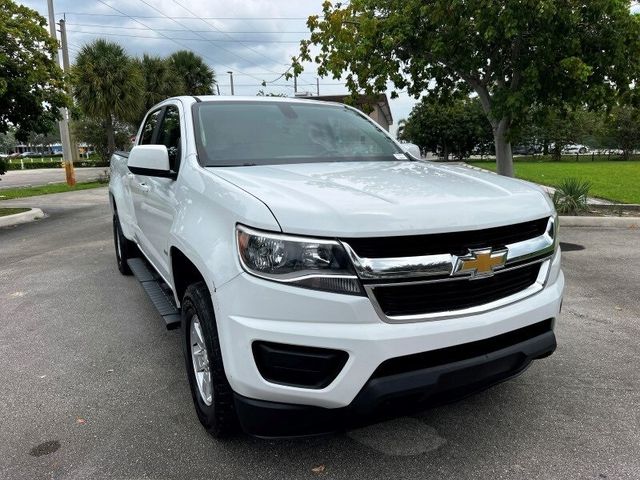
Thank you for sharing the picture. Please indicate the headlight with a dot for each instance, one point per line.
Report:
(305, 262)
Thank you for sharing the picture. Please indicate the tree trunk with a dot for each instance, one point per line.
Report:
(111, 139)
(445, 152)
(504, 157)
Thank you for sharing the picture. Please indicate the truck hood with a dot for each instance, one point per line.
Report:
(358, 199)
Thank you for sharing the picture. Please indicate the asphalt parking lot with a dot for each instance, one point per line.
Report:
(93, 386)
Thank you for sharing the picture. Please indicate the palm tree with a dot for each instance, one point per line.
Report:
(197, 76)
(107, 85)
(161, 81)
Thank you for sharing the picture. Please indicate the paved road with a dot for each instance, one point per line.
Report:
(86, 362)
(44, 176)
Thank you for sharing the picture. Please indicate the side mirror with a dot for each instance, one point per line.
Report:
(150, 160)
(411, 149)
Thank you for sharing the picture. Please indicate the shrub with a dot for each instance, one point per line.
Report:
(104, 176)
(16, 165)
(571, 196)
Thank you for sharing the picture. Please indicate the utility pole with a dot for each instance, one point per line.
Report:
(231, 78)
(66, 67)
(318, 86)
(63, 124)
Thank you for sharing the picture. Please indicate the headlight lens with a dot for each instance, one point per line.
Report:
(306, 262)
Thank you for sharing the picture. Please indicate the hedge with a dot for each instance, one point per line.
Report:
(16, 165)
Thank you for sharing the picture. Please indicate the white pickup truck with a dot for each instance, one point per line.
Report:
(322, 276)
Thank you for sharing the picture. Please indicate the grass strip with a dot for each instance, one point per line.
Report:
(12, 211)
(21, 192)
(615, 181)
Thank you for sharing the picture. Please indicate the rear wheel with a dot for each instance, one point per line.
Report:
(210, 390)
(125, 248)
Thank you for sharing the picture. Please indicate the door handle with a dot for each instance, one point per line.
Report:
(143, 187)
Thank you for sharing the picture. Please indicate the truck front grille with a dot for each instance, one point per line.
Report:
(456, 243)
(446, 296)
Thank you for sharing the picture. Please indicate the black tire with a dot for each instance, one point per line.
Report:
(125, 248)
(219, 418)
(582, 150)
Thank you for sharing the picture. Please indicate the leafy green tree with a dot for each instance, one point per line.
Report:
(623, 128)
(31, 84)
(108, 86)
(448, 127)
(512, 53)
(8, 141)
(92, 132)
(262, 93)
(161, 81)
(197, 76)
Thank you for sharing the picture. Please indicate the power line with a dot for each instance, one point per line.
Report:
(217, 29)
(335, 84)
(184, 18)
(181, 29)
(110, 34)
(199, 35)
(165, 36)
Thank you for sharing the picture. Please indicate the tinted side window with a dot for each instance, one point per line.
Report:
(148, 128)
(169, 135)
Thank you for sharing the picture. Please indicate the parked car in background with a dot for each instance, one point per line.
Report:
(526, 149)
(575, 148)
(411, 149)
(28, 154)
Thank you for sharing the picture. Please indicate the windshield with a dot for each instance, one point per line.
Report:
(265, 133)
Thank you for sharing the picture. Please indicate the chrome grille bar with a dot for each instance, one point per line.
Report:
(443, 265)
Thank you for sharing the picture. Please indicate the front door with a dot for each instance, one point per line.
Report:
(156, 207)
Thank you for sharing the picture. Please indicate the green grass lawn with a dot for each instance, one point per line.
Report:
(617, 181)
(9, 193)
(12, 211)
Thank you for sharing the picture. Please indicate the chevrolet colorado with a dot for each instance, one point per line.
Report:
(322, 276)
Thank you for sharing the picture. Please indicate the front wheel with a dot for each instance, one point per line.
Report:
(210, 389)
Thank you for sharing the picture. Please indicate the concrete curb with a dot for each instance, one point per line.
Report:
(18, 218)
(619, 222)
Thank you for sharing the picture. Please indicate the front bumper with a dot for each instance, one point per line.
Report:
(250, 309)
(395, 394)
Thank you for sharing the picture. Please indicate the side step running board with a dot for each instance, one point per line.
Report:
(162, 298)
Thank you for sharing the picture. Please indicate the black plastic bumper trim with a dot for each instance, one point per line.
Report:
(394, 395)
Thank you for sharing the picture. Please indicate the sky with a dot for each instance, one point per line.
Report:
(255, 39)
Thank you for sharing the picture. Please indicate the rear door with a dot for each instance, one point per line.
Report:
(157, 206)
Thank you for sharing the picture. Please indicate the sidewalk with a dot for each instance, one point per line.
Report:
(45, 176)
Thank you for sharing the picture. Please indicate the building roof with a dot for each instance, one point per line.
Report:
(366, 103)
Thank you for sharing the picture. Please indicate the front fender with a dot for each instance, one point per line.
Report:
(209, 208)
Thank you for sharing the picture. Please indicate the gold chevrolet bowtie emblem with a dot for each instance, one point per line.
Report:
(480, 263)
